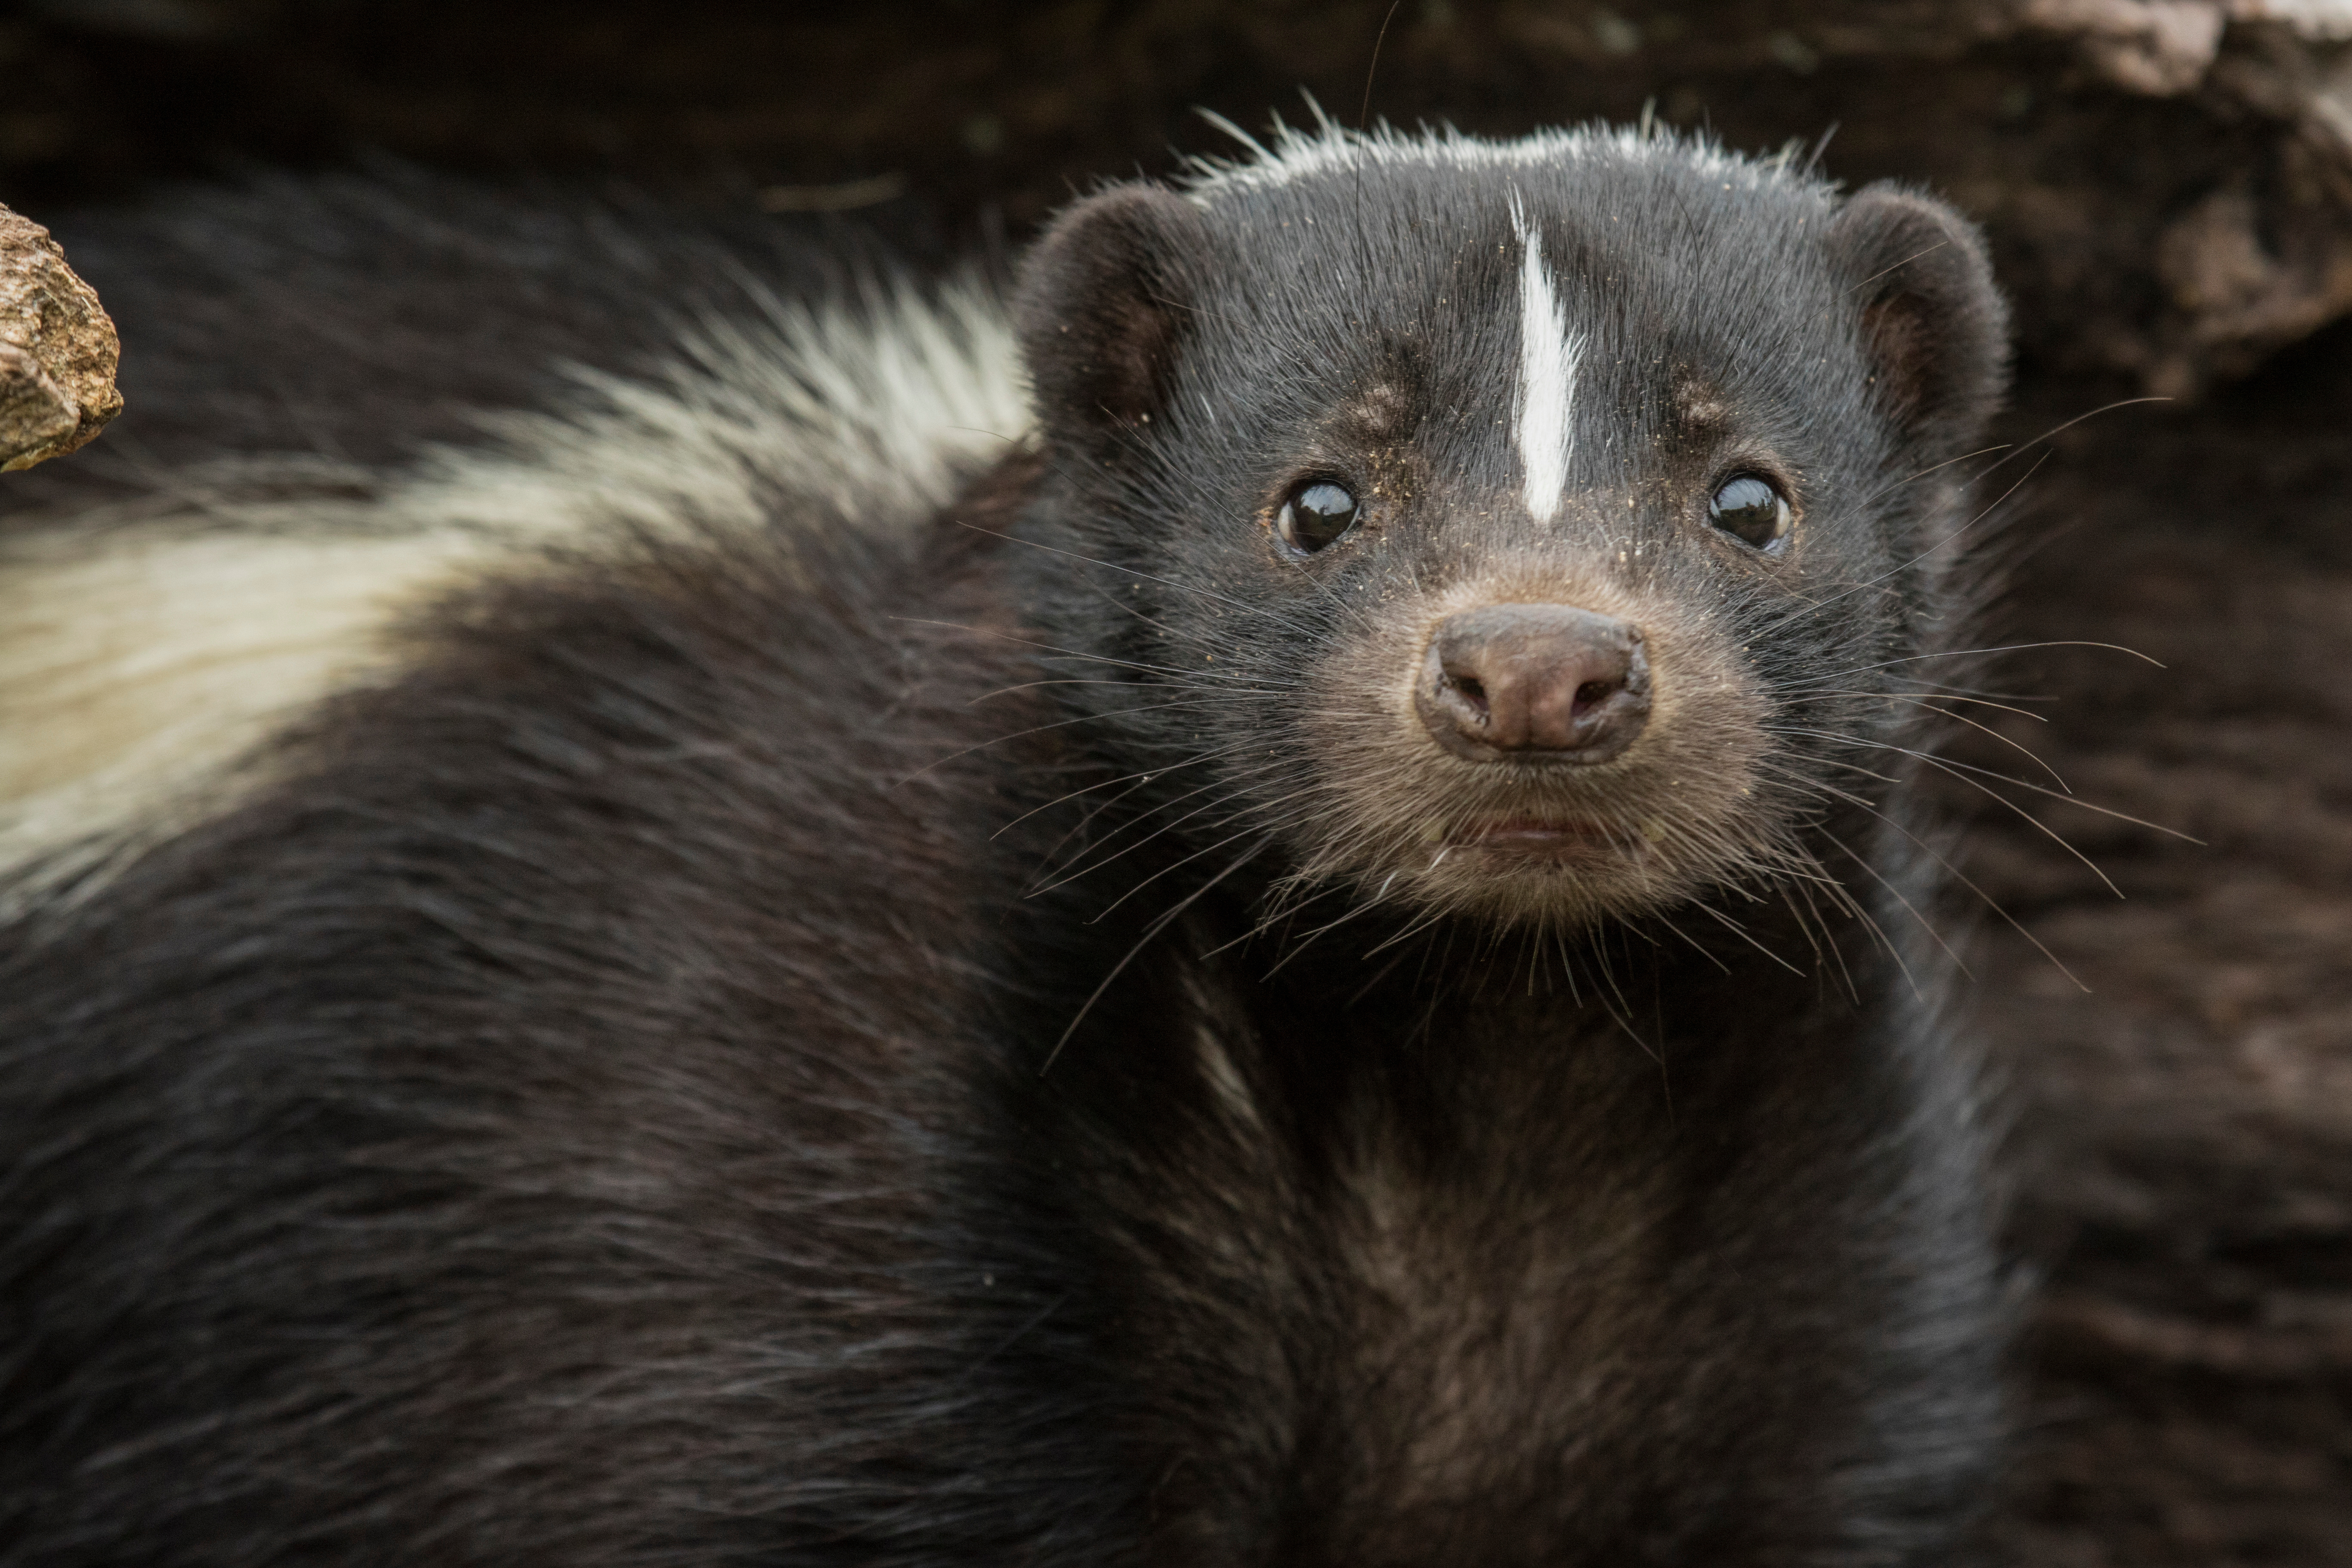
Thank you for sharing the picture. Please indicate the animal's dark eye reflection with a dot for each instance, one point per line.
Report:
(1751, 510)
(1317, 514)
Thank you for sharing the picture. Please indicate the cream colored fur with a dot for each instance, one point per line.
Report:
(147, 651)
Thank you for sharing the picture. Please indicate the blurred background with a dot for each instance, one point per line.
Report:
(2168, 187)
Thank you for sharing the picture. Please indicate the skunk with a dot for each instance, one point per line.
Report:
(1251, 903)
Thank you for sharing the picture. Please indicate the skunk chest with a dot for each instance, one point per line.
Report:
(1511, 1296)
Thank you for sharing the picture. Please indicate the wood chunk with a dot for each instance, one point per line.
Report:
(58, 349)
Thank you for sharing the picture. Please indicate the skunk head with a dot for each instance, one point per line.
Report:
(1525, 530)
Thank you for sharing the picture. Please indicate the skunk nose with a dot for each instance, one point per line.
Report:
(1534, 683)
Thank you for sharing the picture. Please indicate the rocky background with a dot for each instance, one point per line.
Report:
(2168, 184)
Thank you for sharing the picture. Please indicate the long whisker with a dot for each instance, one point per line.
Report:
(2016, 451)
(1149, 932)
(1741, 932)
(2005, 647)
(2020, 747)
(1957, 875)
(1941, 694)
(2072, 800)
(1925, 924)
(1622, 1013)
(1041, 887)
(2057, 430)
(2041, 827)
(1231, 794)
(1949, 766)
(1056, 725)
(1816, 927)
(1895, 485)
(1363, 907)
(1241, 691)
(1977, 694)
(1145, 776)
(1224, 800)
(1066, 652)
(1280, 909)
(1817, 604)
(1146, 576)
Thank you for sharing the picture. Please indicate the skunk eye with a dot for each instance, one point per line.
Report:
(1750, 510)
(1316, 515)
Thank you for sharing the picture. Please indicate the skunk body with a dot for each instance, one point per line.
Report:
(1302, 963)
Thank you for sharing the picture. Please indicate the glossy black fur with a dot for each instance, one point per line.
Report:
(617, 1103)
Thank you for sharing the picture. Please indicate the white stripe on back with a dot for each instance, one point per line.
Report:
(1548, 356)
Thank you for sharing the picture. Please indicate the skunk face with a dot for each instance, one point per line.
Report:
(1525, 531)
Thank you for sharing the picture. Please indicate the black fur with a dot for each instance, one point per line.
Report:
(353, 320)
(617, 1100)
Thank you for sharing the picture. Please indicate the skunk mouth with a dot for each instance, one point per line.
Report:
(1544, 838)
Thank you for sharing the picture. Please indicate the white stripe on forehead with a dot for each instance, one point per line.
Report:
(1548, 356)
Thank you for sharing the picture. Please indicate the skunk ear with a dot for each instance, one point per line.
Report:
(1104, 306)
(1932, 321)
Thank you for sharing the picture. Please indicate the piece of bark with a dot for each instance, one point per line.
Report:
(58, 349)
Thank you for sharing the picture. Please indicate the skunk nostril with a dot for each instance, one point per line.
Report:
(1535, 683)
